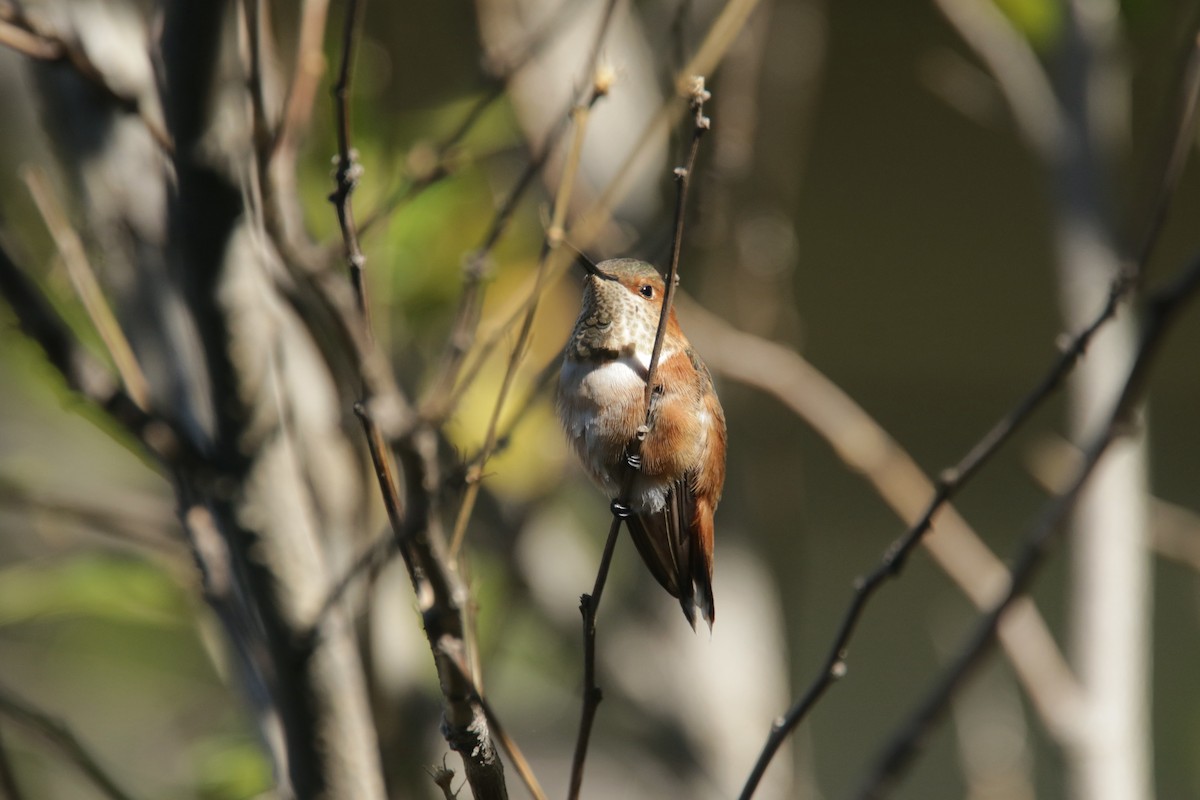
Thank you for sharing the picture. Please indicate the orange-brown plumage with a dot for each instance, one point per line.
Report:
(601, 402)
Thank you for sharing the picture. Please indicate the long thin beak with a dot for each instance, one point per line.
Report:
(591, 268)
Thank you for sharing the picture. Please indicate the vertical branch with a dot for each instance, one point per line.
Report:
(414, 517)
(348, 170)
(589, 604)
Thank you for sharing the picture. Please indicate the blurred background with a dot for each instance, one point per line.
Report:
(866, 197)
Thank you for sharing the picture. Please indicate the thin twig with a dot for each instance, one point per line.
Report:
(83, 279)
(589, 604)
(471, 465)
(952, 480)
(554, 237)
(1162, 307)
(348, 169)
(414, 519)
(501, 74)
(587, 226)
(866, 448)
(442, 397)
(64, 740)
(149, 532)
(82, 372)
(262, 134)
(1179, 132)
(948, 484)
(372, 556)
(306, 75)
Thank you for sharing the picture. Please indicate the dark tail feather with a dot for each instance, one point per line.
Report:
(702, 560)
(647, 532)
(676, 545)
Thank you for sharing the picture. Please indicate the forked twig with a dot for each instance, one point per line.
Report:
(952, 480)
(414, 519)
(589, 604)
(866, 448)
(1162, 307)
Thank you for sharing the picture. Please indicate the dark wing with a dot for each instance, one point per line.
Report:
(671, 542)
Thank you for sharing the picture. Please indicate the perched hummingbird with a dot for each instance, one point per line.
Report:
(601, 402)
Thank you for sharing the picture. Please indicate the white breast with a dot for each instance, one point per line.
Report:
(590, 392)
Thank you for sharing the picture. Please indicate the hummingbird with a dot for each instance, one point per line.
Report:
(601, 403)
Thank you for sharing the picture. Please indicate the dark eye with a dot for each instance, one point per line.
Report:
(647, 290)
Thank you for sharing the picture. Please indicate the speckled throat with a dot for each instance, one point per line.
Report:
(613, 322)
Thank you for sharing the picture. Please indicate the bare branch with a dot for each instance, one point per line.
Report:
(348, 169)
(87, 288)
(415, 524)
(554, 236)
(63, 740)
(1162, 310)
(306, 75)
(589, 604)
(149, 532)
(865, 447)
(80, 370)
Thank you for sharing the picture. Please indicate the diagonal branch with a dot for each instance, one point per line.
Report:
(1162, 310)
(63, 740)
(860, 442)
(952, 480)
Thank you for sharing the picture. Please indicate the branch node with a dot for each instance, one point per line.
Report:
(947, 478)
(603, 80)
